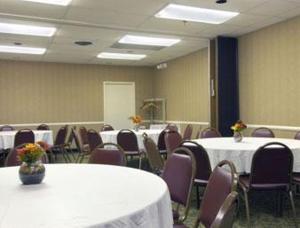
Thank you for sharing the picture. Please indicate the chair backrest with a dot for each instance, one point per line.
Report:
(127, 140)
(24, 136)
(107, 127)
(297, 135)
(83, 133)
(43, 127)
(94, 139)
(220, 184)
(173, 140)
(179, 173)
(61, 136)
(7, 128)
(172, 127)
(153, 154)
(227, 212)
(272, 164)
(203, 170)
(161, 140)
(77, 140)
(263, 132)
(108, 156)
(12, 157)
(210, 133)
(187, 135)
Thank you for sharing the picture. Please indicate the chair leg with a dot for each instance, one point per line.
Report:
(247, 207)
(197, 196)
(293, 207)
(140, 161)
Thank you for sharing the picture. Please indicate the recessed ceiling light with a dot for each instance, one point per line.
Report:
(52, 2)
(31, 30)
(189, 13)
(22, 50)
(110, 55)
(146, 40)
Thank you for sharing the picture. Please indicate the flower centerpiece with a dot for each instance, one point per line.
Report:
(237, 128)
(32, 170)
(136, 120)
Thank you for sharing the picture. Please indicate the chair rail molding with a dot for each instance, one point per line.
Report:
(276, 127)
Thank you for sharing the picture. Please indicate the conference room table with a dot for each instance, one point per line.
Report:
(241, 153)
(111, 136)
(7, 138)
(82, 195)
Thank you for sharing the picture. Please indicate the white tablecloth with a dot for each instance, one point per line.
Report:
(7, 138)
(241, 153)
(85, 196)
(111, 136)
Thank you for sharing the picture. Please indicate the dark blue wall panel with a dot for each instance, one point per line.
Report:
(228, 95)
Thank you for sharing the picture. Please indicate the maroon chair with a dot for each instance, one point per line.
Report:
(271, 170)
(179, 173)
(108, 156)
(187, 135)
(172, 127)
(83, 133)
(173, 140)
(24, 136)
(12, 157)
(210, 133)
(94, 139)
(60, 143)
(161, 145)
(203, 170)
(263, 132)
(128, 141)
(43, 127)
(7, 128)
(154, 157)
(297, 135)
(107, 127)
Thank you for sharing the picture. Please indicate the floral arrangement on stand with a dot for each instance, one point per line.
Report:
(136, 120)
(150, 108)
(32, 170)
(237, 128)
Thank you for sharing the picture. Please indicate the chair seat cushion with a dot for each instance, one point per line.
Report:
(132, 153)
(244, 181)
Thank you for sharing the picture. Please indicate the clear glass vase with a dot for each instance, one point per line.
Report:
(237, 136)
(32, 173)
(136, 127)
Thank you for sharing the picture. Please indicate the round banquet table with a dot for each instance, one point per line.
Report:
(79, 195)
(111, 136)
(7, 138)
(241, 153)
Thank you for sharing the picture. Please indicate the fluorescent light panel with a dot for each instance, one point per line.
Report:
(31, 30)
(146, 40)
(52, 2)
(196, 14)
(122, 56)
(22, 50)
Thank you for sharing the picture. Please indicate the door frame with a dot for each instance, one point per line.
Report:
(117, 83)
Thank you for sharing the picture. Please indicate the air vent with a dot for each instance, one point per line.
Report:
(83, 43)
(136, 47)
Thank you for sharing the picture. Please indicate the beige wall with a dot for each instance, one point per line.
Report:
(269, 66)
(184, 84)
(34, 92)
